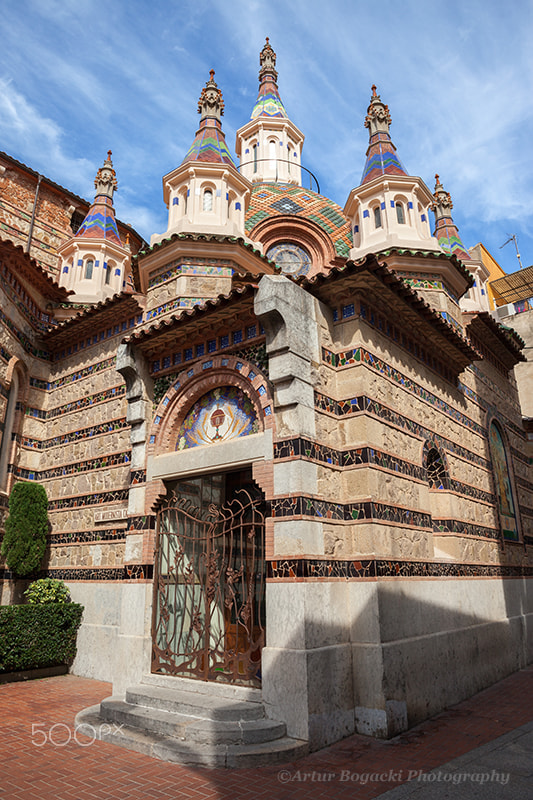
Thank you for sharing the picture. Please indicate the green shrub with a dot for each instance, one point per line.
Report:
(26, 528)
(47, 590)
(39, 635)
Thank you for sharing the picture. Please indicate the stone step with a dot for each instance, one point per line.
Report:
(168, 748)
(230, 691)
(193, 703)
(189, 728)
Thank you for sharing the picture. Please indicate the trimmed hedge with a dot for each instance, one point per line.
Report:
(38, 635)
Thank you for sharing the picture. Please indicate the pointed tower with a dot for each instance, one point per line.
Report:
(95, 263)
(390, 208)
(206, 193)
(269, 146)
(476, 298)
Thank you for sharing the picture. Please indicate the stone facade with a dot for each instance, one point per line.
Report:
(370, 409)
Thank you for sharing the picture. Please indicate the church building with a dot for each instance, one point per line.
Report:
(282, 443)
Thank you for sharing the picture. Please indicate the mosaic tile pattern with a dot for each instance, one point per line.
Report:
(465, 529)
(100, 222)
(362, 356)
(425, 280)
(108, 460)
(312, 451)
(75, 436)
(217, 267)
(389, 329)
(255, 353)
(72, 377)
(62, 503)
(98, 336)
(77, 405)
(300, 569)
(348, 512)
(137, 476)
(209, 145)
(381, 158)
(129, 572)
(173, 305)
(366, 404)
(267, 200)
(142, 523)
(222, 414)
(83, 537)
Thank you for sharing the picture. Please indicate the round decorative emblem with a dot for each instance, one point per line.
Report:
(290, 258)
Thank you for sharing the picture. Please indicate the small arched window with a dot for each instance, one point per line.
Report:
(400, 216)
(289, 148)
(89, 264)
(255, 156)
(377, 217)
(207, 204)
(435, 469)
(108, 269)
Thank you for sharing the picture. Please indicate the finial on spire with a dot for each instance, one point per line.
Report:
(211, 103)
(443, 202)
(267, 62)
(378, 118)
(105, 181)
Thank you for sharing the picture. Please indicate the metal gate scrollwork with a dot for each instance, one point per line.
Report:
(208, 615)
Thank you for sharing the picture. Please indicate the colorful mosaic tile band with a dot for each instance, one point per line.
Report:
(356, 405)
(348, 512)
(425, 280)
(106, 461)
(84, 537)
(62, 503)
(130, 572)
(307, 450)
(100, 222)
(92, 369)
(77, 405)
(362, 356)
(307, 568)
(465, 529)
(75, 436)
(217, 267)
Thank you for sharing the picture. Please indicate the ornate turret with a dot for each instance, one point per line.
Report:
(381, 158)
(268, 103)
(206, 193)
(389, 208)
(95, 263)
(209, 143)
(446, 231)
(476, 298)
(269, 145)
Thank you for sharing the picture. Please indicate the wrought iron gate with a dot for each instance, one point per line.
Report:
(208, 615)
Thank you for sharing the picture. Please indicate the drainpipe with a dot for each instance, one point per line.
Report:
(30, 234)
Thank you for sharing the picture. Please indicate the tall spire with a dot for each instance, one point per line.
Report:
(268, 103)
(100, 222)
(445, 229)
(209, 143)
(381, 158)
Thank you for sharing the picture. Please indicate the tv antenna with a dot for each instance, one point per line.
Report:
(512, 238)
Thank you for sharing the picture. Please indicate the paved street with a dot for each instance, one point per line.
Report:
(488, 739)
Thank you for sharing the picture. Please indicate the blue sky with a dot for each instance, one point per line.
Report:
(79, 78)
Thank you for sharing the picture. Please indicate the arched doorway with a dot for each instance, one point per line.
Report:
(209, 588)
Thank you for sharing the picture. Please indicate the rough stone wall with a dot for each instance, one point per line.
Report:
(52, 220)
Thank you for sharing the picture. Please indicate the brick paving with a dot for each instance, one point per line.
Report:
(50, 762)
